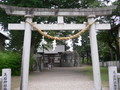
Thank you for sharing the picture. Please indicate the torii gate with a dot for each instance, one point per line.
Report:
(29, 13)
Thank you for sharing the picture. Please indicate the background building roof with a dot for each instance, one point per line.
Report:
(4, 36)
(116, 27)
(59, 48)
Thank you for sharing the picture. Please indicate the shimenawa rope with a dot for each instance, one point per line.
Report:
(61, 38)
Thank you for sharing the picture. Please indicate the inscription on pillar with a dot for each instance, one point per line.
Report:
(113, 81)
(6, 79)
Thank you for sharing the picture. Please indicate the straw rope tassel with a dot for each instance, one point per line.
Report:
(61, 38)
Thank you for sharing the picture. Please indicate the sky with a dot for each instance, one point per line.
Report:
(111, 1)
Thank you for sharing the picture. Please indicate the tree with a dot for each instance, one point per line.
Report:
(36, 38)
(37, 4)
(109, 38)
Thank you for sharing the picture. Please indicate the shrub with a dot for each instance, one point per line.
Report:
(32, 61)
(11, 60)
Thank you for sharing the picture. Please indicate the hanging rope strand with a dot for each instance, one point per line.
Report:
(61, 38)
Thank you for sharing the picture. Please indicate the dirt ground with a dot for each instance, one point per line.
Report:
(59, 78)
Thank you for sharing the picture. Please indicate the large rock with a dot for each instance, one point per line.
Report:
(70, 59)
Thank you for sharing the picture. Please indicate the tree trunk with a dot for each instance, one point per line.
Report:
(112, 58)
(33, 50)
(83, 59)
(87, 57)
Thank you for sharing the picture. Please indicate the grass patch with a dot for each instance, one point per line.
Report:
(87, 70)
(104, 73)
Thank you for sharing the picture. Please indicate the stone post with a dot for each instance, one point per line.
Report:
(113, 80)
(26, 54)
(94, 54)
(119, 38)
(6, 79)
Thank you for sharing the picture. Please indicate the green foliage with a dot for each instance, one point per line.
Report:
(117, 10)
(32, 61)
(108, 45)
(108, 39)
(16, 40)
(104, 52)
(89, 72)
(10, 60)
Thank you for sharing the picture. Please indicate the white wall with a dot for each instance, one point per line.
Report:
(110, 63)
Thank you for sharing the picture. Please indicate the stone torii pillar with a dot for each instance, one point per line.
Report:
(119, 38)
(28, 12)
(94, 54)
(26, 54)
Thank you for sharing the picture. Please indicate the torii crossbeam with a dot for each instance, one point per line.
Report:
(29, 13)
(21, 11)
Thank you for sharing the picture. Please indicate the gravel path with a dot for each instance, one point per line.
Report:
(68, 78)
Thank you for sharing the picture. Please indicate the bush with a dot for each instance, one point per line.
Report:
(32, 61)
(11, 60)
